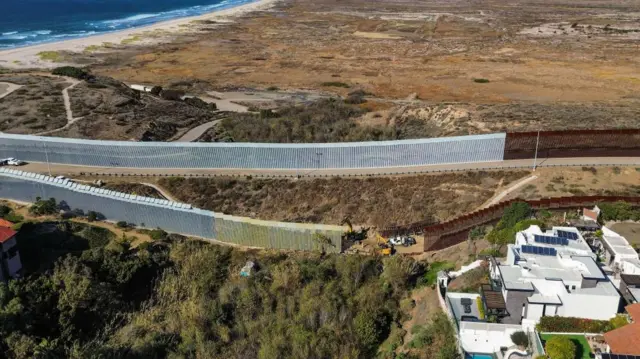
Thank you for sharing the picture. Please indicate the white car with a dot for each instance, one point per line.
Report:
(13, 162)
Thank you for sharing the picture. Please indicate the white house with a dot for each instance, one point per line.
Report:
(619, 254)
(553, 273)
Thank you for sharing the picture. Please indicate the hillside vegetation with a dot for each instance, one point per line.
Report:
(87, 294)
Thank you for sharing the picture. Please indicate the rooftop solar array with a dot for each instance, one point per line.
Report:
(567, 234)
(538, 250)
(619, 356)
(550, 240)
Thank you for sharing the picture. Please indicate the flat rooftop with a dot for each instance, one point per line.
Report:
(618, 244)
(464, 306)
(574, 245)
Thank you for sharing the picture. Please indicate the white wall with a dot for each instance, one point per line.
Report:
(598, 307)
(534, 311)
(550, 310)
(629, 268)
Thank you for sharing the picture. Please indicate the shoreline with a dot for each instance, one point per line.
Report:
(27, 57)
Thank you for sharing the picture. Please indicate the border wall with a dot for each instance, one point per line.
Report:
(146, 212)
(580, 143)
(449, 233)
(375, 154)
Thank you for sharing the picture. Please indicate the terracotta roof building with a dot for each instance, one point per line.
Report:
(10, 263)
(626, 340)
(5, 223)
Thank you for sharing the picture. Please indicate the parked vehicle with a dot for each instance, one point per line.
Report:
(11, 162)
(402, 241)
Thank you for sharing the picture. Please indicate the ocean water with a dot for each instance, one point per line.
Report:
(30, 22)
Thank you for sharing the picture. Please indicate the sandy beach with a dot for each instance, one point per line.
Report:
(28, 57)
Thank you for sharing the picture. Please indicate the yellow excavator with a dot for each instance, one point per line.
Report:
(351, 235)
(384, 247)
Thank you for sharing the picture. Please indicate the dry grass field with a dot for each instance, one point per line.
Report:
(379, 201)
(523, 61)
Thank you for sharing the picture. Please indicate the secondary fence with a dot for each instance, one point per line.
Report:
(445, 234)
(449, 233)
(375, 154)
(146, 212)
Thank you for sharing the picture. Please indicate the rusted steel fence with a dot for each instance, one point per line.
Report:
(580, 143)
(445, 234)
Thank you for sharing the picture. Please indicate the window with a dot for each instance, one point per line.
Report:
(573, 287)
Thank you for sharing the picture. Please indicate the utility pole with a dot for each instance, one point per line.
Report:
(535, 158)
(46, 153)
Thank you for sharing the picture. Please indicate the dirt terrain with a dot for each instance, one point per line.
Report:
(377, 201)
(498, 65)
(557, 182)
(37, 106)
(103, 108)
(425, 69)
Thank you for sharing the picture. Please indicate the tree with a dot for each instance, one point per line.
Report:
(560, 347)
(515, 213)
(43, 207)
(520, 339)
(92, 216)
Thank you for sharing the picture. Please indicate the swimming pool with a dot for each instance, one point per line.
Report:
(478, 356)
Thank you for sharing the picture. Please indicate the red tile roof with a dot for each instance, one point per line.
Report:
(626, 340)
(590, 214)
(6, 234)
(5, 223)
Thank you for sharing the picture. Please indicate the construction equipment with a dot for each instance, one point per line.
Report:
(351, 235)
(384, 247)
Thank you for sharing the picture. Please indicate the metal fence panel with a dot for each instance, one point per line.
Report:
(171, 216)
(462, 149)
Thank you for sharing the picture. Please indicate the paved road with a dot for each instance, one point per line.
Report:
(60, 169)
(194, 133)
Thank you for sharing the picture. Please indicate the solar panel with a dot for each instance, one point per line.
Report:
(466, 301)
(550, 240)
(538, 250)
(567, 234)
(619, 356)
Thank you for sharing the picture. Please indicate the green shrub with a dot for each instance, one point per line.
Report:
(44, 207)
(618, 321)
(618, 211)
(480, 305)
(518, 211)
(92, 216)
(520, 338)
(4, 210)
(122, 224)
(13, 217)
(71, 71)
(560, 347)
(158, 234)
(573, 325)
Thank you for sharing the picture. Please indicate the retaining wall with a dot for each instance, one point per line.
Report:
(171, 216)
(375, 154)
